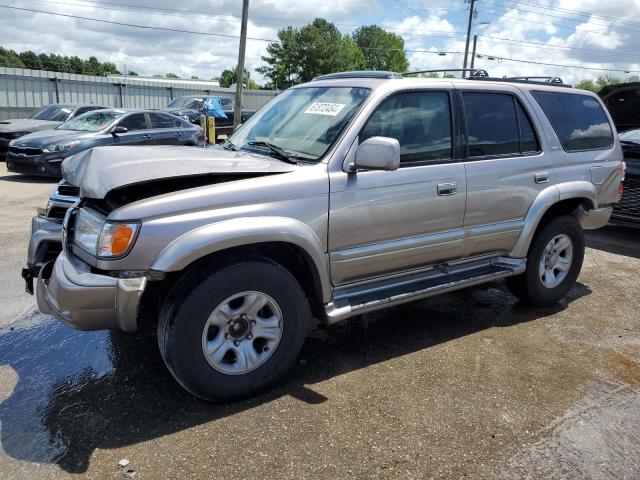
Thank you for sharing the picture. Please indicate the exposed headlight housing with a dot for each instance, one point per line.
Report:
(103, 239)
(61, 148)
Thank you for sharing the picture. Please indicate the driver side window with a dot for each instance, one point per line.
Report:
(420, 121)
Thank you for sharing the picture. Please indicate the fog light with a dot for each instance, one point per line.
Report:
(42, 169)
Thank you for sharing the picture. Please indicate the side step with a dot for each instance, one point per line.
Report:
(374, 296)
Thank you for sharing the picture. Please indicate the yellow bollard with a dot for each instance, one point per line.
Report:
(211, 130)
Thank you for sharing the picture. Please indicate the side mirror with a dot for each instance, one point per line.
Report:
(118, 130)
(378, 153)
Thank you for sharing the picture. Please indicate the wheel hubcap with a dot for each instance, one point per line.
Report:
(556, 261)
(242, 333)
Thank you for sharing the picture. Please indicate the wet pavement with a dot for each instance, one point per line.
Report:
(467, 385)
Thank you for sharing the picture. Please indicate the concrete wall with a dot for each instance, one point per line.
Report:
(21, 91)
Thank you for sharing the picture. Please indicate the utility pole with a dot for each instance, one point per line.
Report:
(473, 54)
(237, 118)
(466, 48)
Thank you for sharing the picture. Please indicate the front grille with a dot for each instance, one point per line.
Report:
(28, 151)
(68, 190)
(629, 205)
(26, 168)
(57, 212)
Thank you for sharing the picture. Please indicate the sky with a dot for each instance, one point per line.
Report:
(576, 33)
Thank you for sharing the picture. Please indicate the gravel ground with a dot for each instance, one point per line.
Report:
(471, 384)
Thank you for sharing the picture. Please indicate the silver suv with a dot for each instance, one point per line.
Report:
(348, 194)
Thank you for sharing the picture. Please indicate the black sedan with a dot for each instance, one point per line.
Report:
(42, 153)
(628, 209)
(45, 118)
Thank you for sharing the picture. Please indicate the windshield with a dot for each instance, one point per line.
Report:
(92, 121)
(631, 136)
(302, 121)
(186, 102)
(54, 113)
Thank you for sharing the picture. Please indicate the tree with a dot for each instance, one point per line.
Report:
(194, 77)
(228, 78)
(304, 53)
(31, 60)
(131, 73)
(171, 75)
(382, 50)
(588, 84)
(9, 58)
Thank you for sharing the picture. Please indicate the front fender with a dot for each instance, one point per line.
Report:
(236, 232)
(543, 202)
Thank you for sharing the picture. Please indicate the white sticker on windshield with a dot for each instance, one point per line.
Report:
(65, 110)
(331, 109)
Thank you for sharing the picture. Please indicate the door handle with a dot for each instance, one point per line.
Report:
(447, 189)
(541, 177)
(147, 137)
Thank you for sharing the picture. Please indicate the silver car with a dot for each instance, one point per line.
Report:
(342, 196)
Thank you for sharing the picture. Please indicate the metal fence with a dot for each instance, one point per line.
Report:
(23, 90)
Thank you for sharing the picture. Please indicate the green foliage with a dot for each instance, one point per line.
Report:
(228, 78)
(382, 50)
(171, 75)
(131, 73)
(319, 48)
(56, 63)
(603, 81)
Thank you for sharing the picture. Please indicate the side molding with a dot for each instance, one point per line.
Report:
(215, 237)
(545, 200)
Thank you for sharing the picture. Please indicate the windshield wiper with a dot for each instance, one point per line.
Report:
(276, 151)
(227, 145)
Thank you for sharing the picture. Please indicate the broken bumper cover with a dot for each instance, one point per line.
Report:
(68, 290)
(596, 218)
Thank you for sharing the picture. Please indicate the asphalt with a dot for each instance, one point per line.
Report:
(468, 385)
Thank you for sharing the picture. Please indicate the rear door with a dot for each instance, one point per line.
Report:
(164, 131)
(137, 130)
(505, 165)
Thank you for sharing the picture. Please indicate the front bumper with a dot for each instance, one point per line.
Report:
(44, 245)
(84, 300)
(42, 166)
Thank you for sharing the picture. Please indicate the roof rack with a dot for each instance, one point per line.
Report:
(555, 81)
(360, 74)
(473, 72)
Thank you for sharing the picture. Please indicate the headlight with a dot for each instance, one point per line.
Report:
(87, 230)
(100, 238)
(61, 148)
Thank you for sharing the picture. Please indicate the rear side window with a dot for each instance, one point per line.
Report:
(492, 126)
(527, 134)
(161, 121)
(420, 121)
(579, 120)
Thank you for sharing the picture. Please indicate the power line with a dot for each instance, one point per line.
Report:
(496, 57)
(133, 25)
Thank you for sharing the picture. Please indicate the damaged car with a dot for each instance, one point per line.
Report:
(352, 193)
(45, 118)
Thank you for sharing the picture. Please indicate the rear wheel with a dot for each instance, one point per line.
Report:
(238, 332)
(553, 264)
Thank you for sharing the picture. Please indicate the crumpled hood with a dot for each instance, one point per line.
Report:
(26, 125)
(99, 170)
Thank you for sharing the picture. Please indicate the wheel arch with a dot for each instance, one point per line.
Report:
(562, 199)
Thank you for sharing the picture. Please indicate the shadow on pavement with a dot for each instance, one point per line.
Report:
(20, 178)
(78, 391)
(617, 239)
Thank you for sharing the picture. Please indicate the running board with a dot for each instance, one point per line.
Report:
(445, 278)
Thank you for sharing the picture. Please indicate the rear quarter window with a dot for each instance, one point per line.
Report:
(579, 120)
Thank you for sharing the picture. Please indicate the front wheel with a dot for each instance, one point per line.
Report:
(236, 333)
(553, 264)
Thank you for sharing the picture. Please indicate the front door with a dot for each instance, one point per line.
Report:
(137, 130)
(386, 222)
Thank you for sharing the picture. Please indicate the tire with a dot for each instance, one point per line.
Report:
(188, 349)
(530, 286)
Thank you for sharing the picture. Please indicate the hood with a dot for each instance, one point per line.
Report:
(26, 125)
(47, 137)
(99, 170)
(623, 103)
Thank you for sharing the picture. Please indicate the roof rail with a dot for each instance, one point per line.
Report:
(360, 74)
(474, 72)
(555, 81)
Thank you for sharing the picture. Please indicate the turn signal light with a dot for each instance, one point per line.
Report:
(116, 238)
